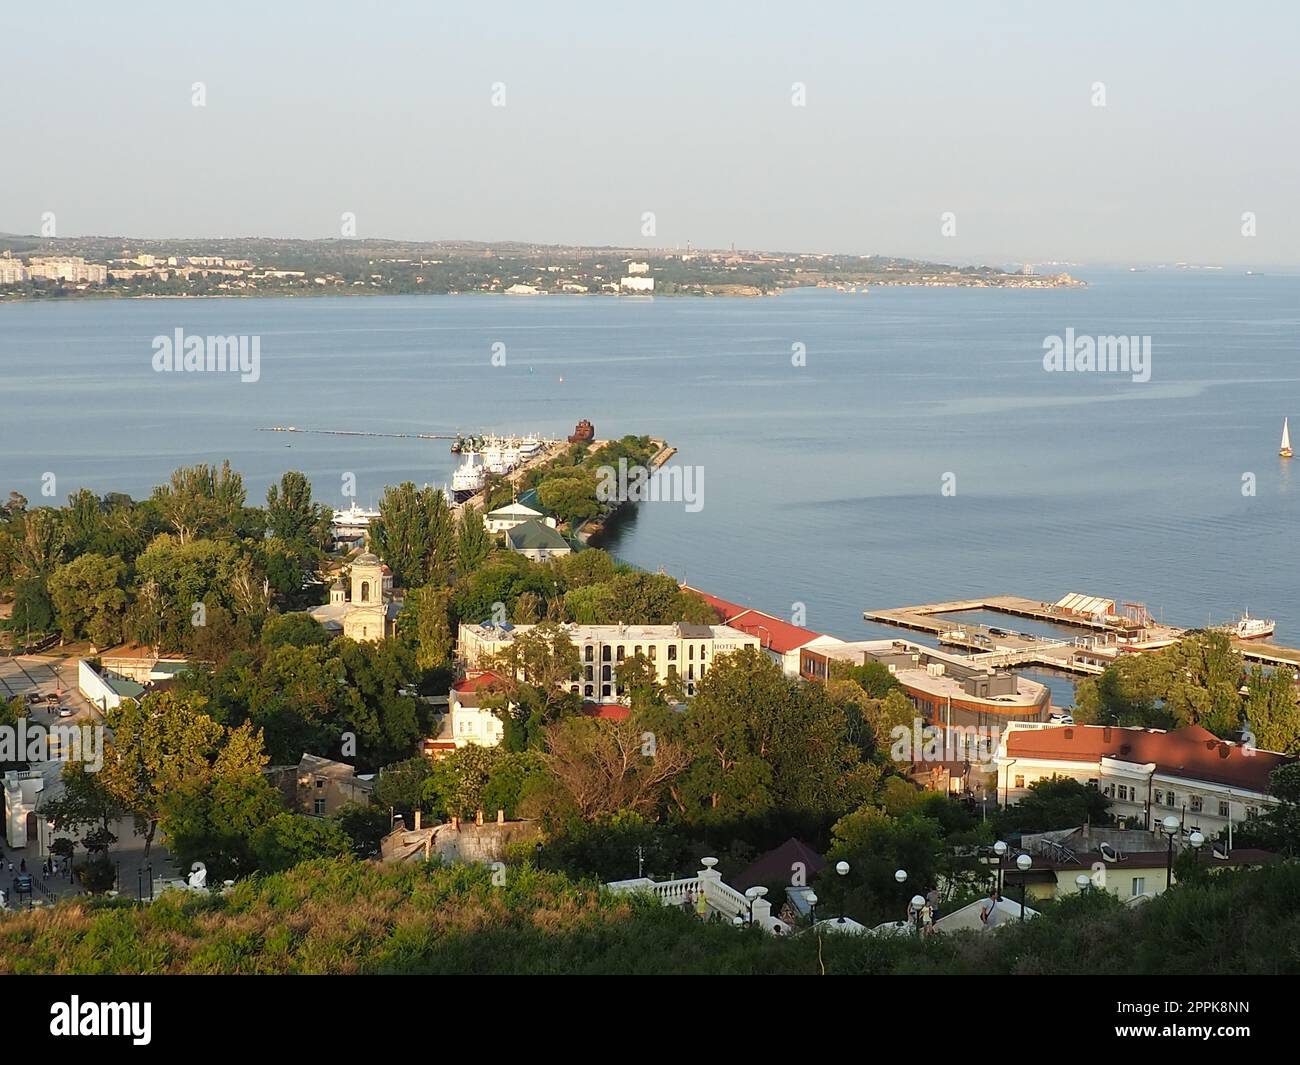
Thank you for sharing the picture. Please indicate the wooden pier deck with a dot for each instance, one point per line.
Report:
(1089, 653)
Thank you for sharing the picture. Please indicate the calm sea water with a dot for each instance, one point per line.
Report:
(822, 483)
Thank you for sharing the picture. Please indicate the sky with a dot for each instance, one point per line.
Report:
(981, 115)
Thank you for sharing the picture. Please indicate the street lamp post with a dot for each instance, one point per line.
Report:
(812, 907)
(1197, 841)
(753, 894)
(1023, 863)
(918, 904)
(1083, 881)
(1000, 849)
(1170, 826)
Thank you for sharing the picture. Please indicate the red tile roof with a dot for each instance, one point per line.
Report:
(476, 681)
(1191, 752)
(773, 633)
(607, 711)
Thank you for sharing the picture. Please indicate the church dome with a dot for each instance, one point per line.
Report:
(366, 558)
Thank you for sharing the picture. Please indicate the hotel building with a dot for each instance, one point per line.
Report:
(682, 651)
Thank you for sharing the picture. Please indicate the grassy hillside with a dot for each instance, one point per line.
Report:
(349, 917)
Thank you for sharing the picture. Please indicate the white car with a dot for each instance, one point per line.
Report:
(1061, 719)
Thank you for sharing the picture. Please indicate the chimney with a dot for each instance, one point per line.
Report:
(417, 819)
(501, 817)
(478, 818)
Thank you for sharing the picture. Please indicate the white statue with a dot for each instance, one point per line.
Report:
(198, 876)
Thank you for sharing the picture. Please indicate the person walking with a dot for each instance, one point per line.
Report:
(989, 912)
(933, 899)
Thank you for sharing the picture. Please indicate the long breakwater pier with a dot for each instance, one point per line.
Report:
(1099, 638)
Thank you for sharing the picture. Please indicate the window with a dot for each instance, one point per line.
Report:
(604, 673)
(1195, 804)
(588, 689)
(653, 652)
(690, 652)
(672, 652)
(588, 674)
(318, 807)
(620, 652)
(320, 782)
(1124, 793)
(365, 591)
(1252, 812)
(1020, 780)
(690, 672)
(1171, 798)
(591, 653)
(604, 690)
(1224, 809)
(604, 653)
(1160, 796)
(1139, 886)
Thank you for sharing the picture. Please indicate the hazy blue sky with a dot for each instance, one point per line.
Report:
(683, 109)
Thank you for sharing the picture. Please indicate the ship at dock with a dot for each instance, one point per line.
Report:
(468, 478)
(1248, 628)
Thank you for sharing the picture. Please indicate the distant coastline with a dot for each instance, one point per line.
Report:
(34, 269)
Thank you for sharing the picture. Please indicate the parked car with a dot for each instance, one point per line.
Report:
(51, 699)
(33, 698)
(66, 711)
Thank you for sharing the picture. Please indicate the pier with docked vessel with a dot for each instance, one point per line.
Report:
(1105, 630)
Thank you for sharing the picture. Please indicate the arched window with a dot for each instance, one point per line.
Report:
(365, 591)
(591, 653)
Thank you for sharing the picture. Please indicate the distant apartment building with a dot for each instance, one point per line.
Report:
(12, 270)
(637, 284)
(68, 268)
(638, 268)
(682, 652)
(1147, 774)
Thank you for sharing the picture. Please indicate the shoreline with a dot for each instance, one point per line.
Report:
(863, 287)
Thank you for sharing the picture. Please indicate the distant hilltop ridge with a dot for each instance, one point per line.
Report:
(33, 267)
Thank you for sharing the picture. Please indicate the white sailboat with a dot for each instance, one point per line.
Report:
(1285, 449)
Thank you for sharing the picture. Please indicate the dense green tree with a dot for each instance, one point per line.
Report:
(761, 741)
(1058, 802)
(89, 597)
(292, 516)
(295, 629)
(401, 786)
(202, 501)
(288, 839)
(1272, 712)
(473, 542)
